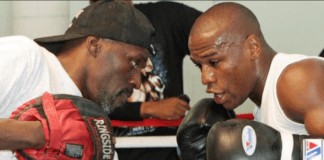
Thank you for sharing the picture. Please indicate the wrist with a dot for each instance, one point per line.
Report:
(37, 140)
(146, 110)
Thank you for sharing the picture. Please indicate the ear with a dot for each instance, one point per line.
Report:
(254, 46)
(93, 45)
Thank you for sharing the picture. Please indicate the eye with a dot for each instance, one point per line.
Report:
(214, 63)
(134, 64)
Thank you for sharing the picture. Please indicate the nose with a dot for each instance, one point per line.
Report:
(207, 75)
(135, 80)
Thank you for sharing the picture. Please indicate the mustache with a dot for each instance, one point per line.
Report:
(107, 102)
(127, 91)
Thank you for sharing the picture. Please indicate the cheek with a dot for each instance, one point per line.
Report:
(123, 73)
(243, 77)
(234, 76)
(106, 76)
(117, 77)
(121, 66)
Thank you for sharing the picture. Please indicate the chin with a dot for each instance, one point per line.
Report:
(117, 105)
(230, 106)
(111, 108)
(109, 105)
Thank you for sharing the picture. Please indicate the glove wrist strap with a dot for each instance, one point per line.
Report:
(54, 123)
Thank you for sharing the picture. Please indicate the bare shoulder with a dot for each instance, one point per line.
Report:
(300, 74)
(300, 88)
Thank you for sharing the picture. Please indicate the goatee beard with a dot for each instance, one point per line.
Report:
(107, 102)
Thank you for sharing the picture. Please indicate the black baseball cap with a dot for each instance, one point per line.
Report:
(112, 20)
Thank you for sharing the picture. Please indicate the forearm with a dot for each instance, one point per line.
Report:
(16, 135)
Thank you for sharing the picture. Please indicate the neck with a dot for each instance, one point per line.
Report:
(263, 67)
(74, 64)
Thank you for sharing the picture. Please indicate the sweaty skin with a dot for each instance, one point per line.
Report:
(230, 51)
(226, 43)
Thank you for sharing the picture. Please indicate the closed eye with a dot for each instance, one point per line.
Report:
(214, 63)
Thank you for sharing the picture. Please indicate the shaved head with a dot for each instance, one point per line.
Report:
(227, 45)
(227, 17)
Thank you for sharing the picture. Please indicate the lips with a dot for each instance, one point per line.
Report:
(219, 97)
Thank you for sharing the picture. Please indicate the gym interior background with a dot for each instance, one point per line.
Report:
(288, 26)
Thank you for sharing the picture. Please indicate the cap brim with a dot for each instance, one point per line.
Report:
(55, 43)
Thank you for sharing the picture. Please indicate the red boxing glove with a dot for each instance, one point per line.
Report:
(74, 128)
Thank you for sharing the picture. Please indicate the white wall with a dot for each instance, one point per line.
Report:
(200, 5)
(5, 18)
(39, 18)
(33, 18)
(75, 6)
(288, 26)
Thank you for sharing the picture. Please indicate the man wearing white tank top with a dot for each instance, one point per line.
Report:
(236, 63)
(270, 111)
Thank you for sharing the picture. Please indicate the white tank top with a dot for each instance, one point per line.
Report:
(270, 111)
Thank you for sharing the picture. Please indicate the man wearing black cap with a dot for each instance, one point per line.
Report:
(98, 57)
(162, 80)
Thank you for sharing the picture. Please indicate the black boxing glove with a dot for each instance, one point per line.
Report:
(239, 139)
(193, 130)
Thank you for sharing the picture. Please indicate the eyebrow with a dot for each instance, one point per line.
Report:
(204, 56)
(210, 54)
(142, 58)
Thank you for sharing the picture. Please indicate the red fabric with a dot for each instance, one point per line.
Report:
(53, 120)
(248, 116)
(66, 127)
(164, 123)
(147, 122)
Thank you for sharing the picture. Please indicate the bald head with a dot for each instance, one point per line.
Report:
(227, 45)
(227, 18)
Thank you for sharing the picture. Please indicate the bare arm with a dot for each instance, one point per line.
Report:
(16, 135)
(171, 108)
(301, 94)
